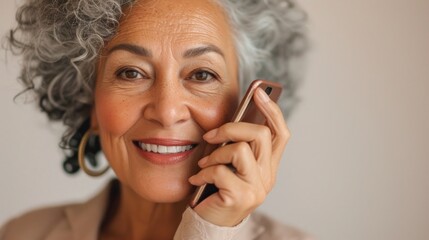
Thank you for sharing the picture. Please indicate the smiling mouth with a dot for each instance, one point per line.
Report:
(163, 149)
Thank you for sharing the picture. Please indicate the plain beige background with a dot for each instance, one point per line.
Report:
(357, 166)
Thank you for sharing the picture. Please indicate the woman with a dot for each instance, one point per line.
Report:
(157, 82)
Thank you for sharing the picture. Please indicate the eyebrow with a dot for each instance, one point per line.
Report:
(190, 53)
(198, 51)
(133, 49)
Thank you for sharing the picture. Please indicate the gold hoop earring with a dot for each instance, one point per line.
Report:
(81, 157)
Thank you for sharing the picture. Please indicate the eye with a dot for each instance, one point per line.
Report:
(203, 76)
(129, 74)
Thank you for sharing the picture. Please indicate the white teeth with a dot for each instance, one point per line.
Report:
(164, 149)
(153, 148)
(171, 149)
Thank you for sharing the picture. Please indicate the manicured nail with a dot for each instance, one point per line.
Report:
(262, 95)
(210, 134)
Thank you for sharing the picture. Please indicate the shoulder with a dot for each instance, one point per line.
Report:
(34, 224)
(269, 228)
(77, 220)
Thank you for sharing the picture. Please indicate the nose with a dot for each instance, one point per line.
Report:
(168, 105)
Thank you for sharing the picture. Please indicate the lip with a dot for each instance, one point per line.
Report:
(164, 159)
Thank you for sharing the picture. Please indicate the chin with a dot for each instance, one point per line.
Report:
(163, 190)
(171, 197)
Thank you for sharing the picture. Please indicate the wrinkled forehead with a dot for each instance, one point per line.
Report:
(178, 19)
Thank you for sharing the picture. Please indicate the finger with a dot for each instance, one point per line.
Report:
(232, 190)
(275, 122)
(241, 157)
(219, 175)
(258, 136)
(239, 154)
(237, 132)
(272, 113)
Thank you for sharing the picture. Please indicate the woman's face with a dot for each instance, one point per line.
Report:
(167, 77)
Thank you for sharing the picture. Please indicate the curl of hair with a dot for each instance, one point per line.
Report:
(60, 42)
(270, 42)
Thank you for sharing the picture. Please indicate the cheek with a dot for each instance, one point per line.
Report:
(213, 114)
(115, 114)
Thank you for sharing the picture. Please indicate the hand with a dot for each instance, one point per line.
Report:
(255, 152)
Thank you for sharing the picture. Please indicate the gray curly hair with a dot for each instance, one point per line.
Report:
(60, 42)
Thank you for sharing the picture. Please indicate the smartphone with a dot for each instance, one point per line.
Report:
(247, 111)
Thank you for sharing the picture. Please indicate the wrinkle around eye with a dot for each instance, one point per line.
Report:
(205, 89)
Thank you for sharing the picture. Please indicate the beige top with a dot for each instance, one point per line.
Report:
(81, 222)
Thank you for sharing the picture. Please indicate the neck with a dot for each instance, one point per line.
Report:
(131, 217)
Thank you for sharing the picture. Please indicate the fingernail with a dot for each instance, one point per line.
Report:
(203, 161)
(262, 95)
(191, 179)
(210, 134)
